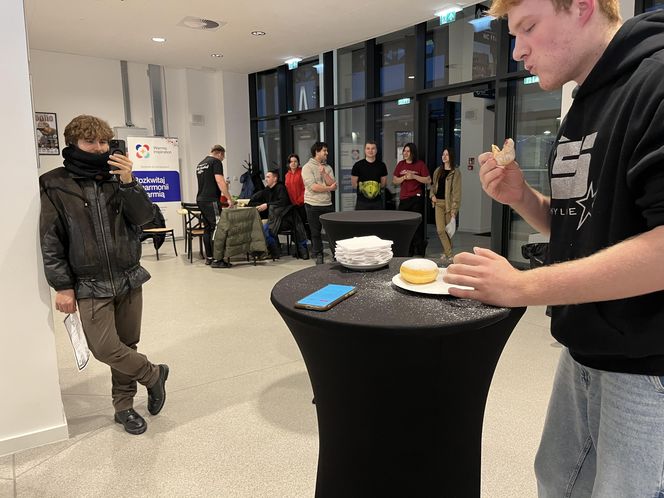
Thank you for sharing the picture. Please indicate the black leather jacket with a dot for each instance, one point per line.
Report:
(89, 234)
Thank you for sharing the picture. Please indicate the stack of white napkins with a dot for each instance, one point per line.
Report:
(363, 251)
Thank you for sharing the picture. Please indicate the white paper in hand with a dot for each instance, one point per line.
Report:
(77, 337)
(450, 228)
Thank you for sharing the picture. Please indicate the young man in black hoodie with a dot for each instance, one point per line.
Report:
(90, 211)
(604, 431)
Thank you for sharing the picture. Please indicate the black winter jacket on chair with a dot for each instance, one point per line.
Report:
(89, 233)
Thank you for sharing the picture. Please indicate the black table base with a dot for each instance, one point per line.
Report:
(377, 443)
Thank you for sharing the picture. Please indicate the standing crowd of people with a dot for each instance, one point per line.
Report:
(297, 203)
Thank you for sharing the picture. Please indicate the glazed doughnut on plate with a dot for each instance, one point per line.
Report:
(419, 271)
(505, 156)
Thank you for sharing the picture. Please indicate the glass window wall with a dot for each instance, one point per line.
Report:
(267, 94)
(536, 123)
(396, 53)
(464, 49)
(650, 5)
(269, 145)
(351, 140)
(351, 74)
(306, 86)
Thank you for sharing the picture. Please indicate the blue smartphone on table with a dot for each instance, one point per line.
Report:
(323, 299)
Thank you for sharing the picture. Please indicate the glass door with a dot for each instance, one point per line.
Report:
(463, 124)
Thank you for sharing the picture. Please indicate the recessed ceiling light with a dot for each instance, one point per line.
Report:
(258, 33)
(217, 55)
(411, 77)
(158, 39)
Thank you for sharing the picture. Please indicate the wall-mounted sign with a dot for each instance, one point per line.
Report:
(46, 130)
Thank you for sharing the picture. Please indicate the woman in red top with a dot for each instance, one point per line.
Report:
(295, 188)
(411, 174)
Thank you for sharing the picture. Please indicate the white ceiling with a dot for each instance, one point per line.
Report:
(123, 29)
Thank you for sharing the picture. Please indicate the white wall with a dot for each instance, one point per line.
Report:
(70, 85)
(31, 413)
(236, 125)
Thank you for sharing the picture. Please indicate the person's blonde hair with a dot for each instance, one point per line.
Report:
(88, 128)
(610, 8)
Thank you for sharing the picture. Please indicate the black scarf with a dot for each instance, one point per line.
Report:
(86, 164)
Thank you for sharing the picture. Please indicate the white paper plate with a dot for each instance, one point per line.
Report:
(364, 267)
(437, 287)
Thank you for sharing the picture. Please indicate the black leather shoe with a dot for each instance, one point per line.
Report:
(220, 263)
(208, 261)
(275, 251)
(157, 393)
(133, 423)
(304, 253)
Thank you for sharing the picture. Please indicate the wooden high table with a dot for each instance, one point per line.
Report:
(400, 382)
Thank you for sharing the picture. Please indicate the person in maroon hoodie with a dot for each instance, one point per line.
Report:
(412, 174)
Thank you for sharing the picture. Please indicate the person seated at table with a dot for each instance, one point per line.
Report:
(274, 201)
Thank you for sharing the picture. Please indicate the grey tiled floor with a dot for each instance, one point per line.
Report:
(239, 421)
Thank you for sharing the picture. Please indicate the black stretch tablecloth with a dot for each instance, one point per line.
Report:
(397, 226)
(400, 382)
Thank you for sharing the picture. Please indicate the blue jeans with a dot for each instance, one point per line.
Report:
(271, 239)
(603, 436)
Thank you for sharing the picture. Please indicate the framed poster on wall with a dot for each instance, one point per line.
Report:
(46, 131)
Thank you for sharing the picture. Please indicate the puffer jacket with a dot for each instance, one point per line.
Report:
(89, 234)
(239, 231)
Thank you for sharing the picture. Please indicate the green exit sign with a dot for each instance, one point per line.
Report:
(530, 80)
(448, 18)
(405, 101)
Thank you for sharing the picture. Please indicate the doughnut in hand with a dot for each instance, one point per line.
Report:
(505, 156)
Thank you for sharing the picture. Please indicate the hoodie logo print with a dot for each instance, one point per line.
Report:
(569, 177)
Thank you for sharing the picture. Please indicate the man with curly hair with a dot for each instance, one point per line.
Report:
(91, 209)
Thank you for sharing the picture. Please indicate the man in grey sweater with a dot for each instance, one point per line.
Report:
(319, 181)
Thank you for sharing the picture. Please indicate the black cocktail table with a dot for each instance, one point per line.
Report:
(397, 226)
(400, 382)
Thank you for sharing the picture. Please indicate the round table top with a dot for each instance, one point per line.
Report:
(379, 304)
(372, 216)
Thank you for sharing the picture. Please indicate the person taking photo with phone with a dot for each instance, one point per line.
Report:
(90, 211)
